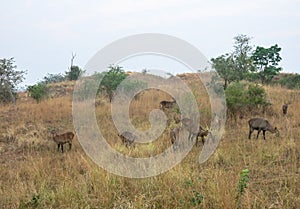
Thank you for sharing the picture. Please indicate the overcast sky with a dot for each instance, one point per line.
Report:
(42, 35)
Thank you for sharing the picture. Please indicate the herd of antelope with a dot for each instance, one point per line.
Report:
(195, 130)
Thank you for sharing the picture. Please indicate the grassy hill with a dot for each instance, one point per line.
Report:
(34, 175)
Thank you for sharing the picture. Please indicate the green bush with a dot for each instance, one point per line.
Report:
(74, 73)
(38, 91)
(255, 97)
(244, 98)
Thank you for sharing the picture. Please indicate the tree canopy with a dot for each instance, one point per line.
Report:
(224, 65)
(246, 63)
(111, 80)
(235, 66)
(9, 79)
(266, 61)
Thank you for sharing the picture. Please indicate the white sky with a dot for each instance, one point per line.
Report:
(42, 35)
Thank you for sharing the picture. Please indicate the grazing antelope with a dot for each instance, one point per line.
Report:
(202, 133)
(174, 135)
(284, 109)
(167, 104)
(62, 139)
(261, 124)
(194, 130)
(128, 138)
(191, 127)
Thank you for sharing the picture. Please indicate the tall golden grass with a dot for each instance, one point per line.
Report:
(34, 175)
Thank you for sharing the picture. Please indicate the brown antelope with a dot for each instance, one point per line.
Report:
(284, 109)
(174, 135)
(62, 139)
(191, 127)
(261, 124)
(128, 138)
(167, 104)
(202, 133)
(194, 130)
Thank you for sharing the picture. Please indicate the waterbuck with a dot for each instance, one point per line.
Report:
(261, 124)
(62, 139)
(174, 135)
(202, 133)
(128, 138)
(167, 104)
(194, 130)
(284, 109)
(191, 127)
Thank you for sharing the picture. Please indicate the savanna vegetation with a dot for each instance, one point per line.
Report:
(242, 172)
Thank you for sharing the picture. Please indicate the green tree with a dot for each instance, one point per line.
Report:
(9, 79)
(38, 91)
(224, 65)
(242, 56)
(111, 80)
(266, 61)
(236, 65)
(74, 73)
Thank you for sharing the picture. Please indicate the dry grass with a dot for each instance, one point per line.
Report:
(34, 175)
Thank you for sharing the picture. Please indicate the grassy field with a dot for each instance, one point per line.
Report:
(34, 175)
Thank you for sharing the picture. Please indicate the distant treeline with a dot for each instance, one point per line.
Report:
(288, 80)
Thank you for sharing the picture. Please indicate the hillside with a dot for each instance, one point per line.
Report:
(33, 174)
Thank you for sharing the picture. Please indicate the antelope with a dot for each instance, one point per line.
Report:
(191, 127)
(174, 135)
(284, 109)
(261, 124)
(202, 133)
(128, 138)
(62, 139)
(167, 104)
(194, 130)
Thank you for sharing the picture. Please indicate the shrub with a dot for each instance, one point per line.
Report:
(38, 91)
(74, 73)
(243, 98)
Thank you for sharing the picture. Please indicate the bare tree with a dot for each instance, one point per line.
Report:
(72, 59)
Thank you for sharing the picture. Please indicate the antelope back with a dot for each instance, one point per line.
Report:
(258, 123)
(167, 104)
(64, 138)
